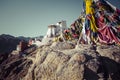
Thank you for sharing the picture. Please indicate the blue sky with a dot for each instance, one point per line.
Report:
(31, 17)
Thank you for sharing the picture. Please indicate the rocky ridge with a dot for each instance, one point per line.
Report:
(64, 61)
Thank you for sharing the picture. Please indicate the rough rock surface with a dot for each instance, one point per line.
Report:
(56, 62)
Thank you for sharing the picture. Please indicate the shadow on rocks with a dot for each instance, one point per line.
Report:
(111, 68)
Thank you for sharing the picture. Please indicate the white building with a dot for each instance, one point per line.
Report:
(56, 29)
(36, 42)
(51, 32)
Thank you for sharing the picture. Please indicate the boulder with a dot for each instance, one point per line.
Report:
(62, 45)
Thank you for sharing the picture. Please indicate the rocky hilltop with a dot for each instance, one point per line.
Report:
(63, 61)
(96, 58)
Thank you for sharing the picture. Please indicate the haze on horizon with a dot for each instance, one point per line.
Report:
(30, 18)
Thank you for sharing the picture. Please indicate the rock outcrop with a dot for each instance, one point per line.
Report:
(55, 62)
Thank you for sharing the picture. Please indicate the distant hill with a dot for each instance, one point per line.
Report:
(8, 42)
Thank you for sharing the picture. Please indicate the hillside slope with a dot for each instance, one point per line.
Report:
(64, 61)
